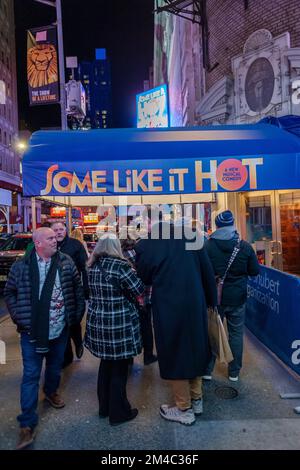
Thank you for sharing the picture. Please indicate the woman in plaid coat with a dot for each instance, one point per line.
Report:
(113, 328)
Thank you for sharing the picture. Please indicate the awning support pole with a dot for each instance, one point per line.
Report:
(33, 213)
(69, 216)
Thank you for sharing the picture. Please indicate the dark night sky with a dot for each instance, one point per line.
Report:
(123, 27)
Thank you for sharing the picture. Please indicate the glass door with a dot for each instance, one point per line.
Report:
(260, 226)
(272, 226)
(288, 209)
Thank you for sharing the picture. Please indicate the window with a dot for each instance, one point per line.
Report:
(4, 141)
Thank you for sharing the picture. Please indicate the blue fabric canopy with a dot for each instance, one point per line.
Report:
(290, 123)
(161, 161)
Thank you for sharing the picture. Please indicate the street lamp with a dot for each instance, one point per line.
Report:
(57, 5)
(21, 145)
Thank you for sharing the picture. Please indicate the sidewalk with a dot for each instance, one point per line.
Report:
(257, 419)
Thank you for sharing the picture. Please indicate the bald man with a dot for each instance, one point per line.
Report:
(45, 298)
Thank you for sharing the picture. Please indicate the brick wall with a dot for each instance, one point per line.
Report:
(230, 24)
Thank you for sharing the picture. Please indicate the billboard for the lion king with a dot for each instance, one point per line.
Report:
(42, 66)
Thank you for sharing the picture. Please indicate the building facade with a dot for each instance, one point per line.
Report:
(10, 183)
(240, 65)
(96, 79)
(251, 64)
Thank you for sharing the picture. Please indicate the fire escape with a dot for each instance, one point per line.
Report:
(195, 11)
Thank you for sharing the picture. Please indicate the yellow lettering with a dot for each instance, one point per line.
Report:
(98, 177)
(180, 172)
(81, 186)
(48, 187)
(58, 177)
(211, 175)
(137, 180)
(117, 187)
(152, 178)
(252, 162)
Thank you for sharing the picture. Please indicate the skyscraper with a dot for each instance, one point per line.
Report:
(96, 79)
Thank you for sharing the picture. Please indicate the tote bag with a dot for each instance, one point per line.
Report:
(218, 337)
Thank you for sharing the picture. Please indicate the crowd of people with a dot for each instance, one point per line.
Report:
(120, 286)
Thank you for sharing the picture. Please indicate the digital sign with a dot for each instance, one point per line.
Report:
(152, 108)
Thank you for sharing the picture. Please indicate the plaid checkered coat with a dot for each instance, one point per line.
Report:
(113, 327)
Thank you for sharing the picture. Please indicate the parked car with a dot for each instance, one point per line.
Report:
(3, 238)
(12, 249)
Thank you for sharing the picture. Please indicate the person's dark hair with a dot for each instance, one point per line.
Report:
(58, 222)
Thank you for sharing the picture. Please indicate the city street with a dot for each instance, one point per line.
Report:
(150, 165)
(256, 419)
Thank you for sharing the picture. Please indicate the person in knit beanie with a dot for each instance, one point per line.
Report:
(220, 247)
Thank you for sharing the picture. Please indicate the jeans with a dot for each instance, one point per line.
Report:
(32, 367)
(235, 317)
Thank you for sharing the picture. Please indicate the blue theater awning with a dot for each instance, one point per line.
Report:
(161, 161)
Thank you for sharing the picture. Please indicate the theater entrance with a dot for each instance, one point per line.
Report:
(271, 223)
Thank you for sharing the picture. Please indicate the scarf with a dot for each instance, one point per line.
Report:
(225, 233)
(40, 307)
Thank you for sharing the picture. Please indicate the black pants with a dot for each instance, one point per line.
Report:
(76, 335)
(146, 330)
(112, 380)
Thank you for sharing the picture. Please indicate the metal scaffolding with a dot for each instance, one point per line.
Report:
(195, 11)
(182, 8)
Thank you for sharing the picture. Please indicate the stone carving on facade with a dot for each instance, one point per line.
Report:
(258, 40)
(261, 78)
(215, 106)
(259, 84)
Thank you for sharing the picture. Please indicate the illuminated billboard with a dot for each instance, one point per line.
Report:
(152, 108)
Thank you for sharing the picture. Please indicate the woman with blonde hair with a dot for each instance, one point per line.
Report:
(113, 328)
(78, 235)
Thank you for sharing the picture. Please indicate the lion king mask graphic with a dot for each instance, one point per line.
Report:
(42, 65)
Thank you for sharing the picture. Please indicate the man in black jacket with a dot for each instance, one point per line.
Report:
(44, 297)
(220, 247)
(75, 249)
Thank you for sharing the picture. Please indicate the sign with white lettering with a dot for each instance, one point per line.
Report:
(42, 66)
(161, 161)
(273, 313)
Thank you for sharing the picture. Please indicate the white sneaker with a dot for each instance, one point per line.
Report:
(172, 413)
(197, 406)
(206, 377)
(233, 379)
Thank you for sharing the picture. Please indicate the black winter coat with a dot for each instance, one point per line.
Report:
(75, 249)
(17, 292)
(183, 285)
(245, 264)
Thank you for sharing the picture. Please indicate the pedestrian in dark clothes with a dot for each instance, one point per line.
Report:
(183, 285)
(44, 297)
(220, 247)
(76, 251)
(145, 308)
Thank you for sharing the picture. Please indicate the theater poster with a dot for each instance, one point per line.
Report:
(42, 66)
